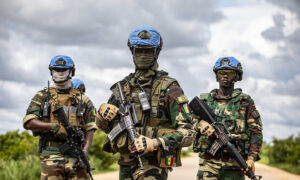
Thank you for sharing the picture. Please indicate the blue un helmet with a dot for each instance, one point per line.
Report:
(61, 61)
(145, 37)
(229, 63)
(78, 84)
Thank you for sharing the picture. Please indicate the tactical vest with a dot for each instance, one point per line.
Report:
(69, 100)
(158, 123)
(233, 115)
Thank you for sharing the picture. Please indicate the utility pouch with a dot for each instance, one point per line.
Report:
(166, 158)
(42, 143)
(80, 109)
(144, 101)
(167, 161)
(46, 110)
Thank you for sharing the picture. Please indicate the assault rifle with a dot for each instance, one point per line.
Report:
(46, 114)
(126, 121)
(75, 140)
(223, 136)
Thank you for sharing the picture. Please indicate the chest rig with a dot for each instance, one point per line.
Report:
(156, 117)
(149, 122)
(71, 100)
(232, 113)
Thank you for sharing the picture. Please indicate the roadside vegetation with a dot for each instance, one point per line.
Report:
(19, 158)
(283, 154)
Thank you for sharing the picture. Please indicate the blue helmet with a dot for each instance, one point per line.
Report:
(78, 84)
(61, 61)
(229, 63)
(145, 36)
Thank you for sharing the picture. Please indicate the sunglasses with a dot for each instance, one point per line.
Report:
(229, 73)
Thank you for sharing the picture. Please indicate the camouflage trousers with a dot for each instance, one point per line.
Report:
(218, 170)
(150, 172)
(57, 167)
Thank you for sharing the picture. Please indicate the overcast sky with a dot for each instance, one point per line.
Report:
(263, 34)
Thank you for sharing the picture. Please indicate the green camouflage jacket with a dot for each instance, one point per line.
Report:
(35, 111)
(169, 119)
(240, 116)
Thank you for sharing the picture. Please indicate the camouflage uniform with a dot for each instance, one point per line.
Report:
(169, 119)
(54, 164)
(239, 114)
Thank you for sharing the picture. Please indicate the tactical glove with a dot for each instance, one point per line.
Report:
(143, 143)
(59, 131)
(205, 128)
(250, 164)
(108, 111)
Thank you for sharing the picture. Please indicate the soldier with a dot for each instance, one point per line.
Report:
(164, 120)
(78, 84)
(237, 111)
(42, 121)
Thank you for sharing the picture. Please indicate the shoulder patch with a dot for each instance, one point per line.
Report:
(182, 99)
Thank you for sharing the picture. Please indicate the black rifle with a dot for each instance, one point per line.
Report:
(126, 121)
(46, 114)
(75, 140)
(223, 136)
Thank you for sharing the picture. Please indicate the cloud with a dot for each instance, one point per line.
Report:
(263, 35)
(276, 32)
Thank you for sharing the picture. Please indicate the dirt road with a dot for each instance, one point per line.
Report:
(189, 169)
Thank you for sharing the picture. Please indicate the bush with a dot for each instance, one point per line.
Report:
(15, 145)
(19, 158)
(285, 151)
(28, 168)
(100, 159)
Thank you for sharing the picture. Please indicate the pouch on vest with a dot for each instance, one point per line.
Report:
(166, 158)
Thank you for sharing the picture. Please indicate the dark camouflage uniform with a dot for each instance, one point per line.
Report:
(168, 121)
(54, 164)
(239, 114)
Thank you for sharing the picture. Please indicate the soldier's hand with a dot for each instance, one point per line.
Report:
(143, 143)
(59, 131)
(108, 111)
(250, 164)
(205, 128)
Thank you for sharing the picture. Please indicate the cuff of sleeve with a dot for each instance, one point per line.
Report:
(163, 143)
(183, 132)
(91, 126)
(250, 158)
(156, 143)
(101, 123)
(254, 157)
(29, 117)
